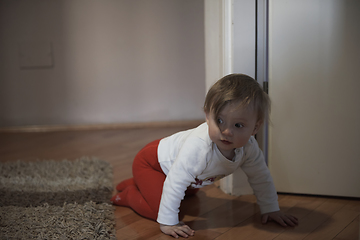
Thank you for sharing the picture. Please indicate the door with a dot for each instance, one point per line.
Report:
(314, 85)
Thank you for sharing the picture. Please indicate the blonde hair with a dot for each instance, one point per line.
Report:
(240, 89)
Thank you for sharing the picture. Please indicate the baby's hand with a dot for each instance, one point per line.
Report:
(280, 218)
(176, 230)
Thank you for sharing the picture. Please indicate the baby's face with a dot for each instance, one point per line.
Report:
(232, 128)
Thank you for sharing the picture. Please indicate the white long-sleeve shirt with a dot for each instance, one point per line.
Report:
(190, 158)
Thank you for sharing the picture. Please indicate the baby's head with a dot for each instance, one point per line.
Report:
(238, 89)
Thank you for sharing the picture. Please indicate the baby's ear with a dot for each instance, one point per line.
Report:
(257, 127)
(207, 116)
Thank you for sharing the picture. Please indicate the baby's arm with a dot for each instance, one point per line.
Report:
(190, 162)
(261, 181)
(168, 211)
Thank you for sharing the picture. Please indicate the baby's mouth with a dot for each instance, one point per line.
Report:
(226, 142)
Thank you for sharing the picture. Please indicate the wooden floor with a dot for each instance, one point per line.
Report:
(213, 214)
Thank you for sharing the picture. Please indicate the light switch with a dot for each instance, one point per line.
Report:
(35, 55)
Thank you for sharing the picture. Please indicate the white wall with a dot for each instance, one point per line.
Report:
(112, 61)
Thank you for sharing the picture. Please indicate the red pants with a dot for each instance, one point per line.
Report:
(143, 192)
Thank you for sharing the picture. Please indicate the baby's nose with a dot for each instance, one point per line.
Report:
(227, 131)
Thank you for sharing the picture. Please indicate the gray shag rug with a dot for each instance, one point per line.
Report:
(56, 200)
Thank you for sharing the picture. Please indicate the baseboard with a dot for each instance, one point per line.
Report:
(81, 127)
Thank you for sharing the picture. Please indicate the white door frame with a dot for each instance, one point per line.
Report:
(230, 46)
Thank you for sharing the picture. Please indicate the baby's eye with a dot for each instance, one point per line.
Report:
(238, 125)
(220, 121)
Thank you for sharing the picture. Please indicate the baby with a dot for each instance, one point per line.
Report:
(166, 170)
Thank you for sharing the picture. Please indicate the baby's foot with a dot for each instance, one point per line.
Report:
(119, 199)
(124, 184)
